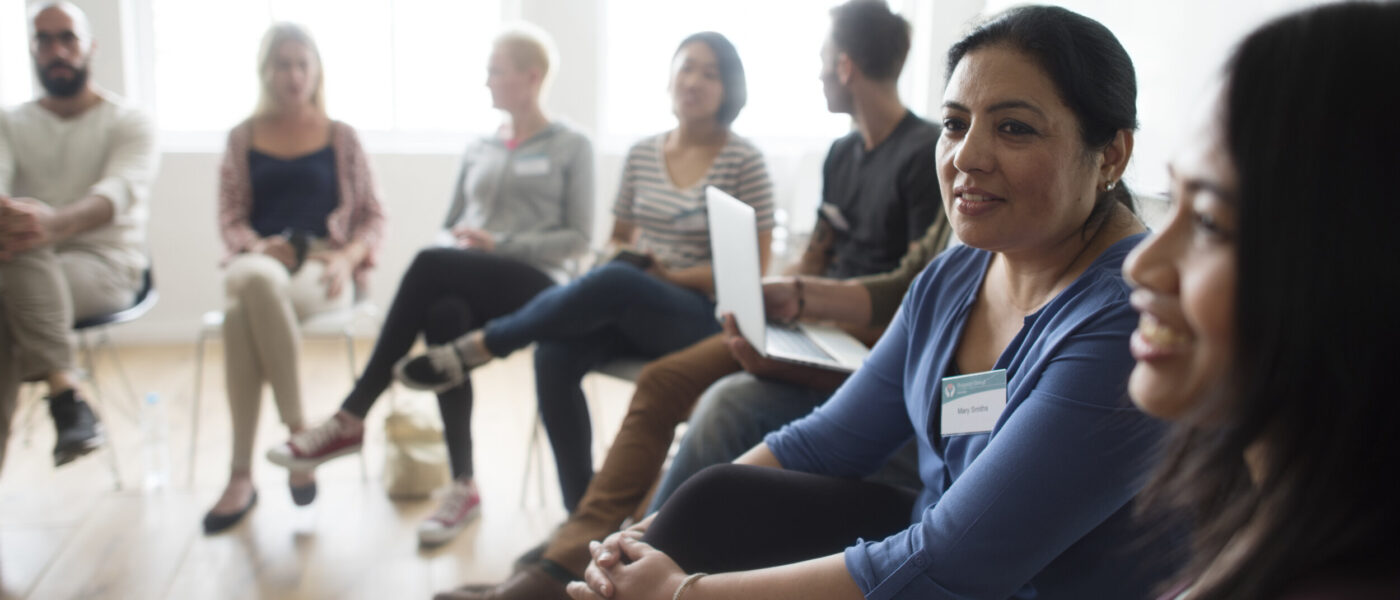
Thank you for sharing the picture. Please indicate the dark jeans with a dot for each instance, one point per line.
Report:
(615, 310)
(738, 517)
(738, 411)
(445, 293)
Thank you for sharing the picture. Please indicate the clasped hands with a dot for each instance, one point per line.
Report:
(626, 568)
(25, 224)
(336, 266)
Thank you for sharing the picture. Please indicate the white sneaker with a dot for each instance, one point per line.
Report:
(460, 506)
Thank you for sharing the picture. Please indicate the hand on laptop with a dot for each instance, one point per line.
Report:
(782, 299)
(755, 364)
(748, 357)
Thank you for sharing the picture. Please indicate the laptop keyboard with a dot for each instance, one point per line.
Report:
(794, 342)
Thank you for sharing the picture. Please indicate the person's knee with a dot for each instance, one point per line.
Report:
(430, 262)
(447, 319)
(714, 486)
(726, 403)
(611, 278)
(667, 375)
(23, 269)
(665, 386)
(29, 259)
(254, 274)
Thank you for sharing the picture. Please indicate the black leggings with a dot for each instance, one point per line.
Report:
(445, 293)
(738, 517)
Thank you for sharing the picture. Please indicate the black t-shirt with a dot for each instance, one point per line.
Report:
(886, 197)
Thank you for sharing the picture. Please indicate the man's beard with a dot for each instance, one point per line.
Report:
(64, 87)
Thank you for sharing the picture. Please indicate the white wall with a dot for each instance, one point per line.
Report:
(1176, 46)
(415, 183)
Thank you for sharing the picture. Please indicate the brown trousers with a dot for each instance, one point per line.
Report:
(667, 390)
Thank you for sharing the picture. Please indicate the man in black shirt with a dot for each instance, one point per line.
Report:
(880, 196)
(880, 190)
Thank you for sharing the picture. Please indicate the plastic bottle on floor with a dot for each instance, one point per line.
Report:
(155, 443)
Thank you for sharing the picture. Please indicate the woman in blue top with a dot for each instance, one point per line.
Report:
(1028, 483)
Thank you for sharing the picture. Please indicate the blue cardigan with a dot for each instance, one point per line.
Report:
(1041, 506)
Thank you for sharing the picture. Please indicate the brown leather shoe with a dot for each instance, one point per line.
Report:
(531, 583)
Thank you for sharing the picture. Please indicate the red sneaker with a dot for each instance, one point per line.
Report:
(460, 507)
(309, 448)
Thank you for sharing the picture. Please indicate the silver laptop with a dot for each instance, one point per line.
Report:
(739, 290)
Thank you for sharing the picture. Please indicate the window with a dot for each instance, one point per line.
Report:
(390, 65)
(779, 42)
(16, 86)
(1178, 51)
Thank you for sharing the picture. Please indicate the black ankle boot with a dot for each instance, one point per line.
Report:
(78, 430)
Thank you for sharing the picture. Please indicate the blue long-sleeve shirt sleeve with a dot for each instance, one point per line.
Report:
(1040, 507)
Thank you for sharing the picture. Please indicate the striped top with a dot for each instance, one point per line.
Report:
(671, 222)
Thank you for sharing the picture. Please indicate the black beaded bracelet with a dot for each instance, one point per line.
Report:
(801, 298)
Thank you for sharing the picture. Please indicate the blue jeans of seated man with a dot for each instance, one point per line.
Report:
(734, 415)
(612, 311)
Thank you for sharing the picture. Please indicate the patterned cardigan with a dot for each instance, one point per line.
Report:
(358, 217)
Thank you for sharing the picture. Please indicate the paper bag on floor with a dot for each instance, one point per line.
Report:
(415, 456)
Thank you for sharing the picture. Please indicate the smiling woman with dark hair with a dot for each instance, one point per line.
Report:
(728, 68)
(1007, 365)
(1262, 336)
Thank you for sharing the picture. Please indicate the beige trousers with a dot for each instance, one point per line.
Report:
(42, 292)
(262, 339)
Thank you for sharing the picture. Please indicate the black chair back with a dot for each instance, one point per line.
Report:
(145, 299)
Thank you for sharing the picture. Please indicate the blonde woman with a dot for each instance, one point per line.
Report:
(522, 208)
(300, 221)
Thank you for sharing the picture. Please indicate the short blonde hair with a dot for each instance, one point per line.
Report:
(278, 34)
(529, 47)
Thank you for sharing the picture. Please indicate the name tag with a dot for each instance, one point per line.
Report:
(527, 166)
(973, 403)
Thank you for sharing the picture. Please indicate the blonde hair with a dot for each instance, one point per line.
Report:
(529, 47)
(277, 35)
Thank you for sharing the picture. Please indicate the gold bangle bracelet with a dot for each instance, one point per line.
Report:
(685, 583)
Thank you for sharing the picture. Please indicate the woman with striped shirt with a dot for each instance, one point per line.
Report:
(656, 297)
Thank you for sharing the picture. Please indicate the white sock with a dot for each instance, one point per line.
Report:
(472, 348)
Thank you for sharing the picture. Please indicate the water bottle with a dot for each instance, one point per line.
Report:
(155, 443)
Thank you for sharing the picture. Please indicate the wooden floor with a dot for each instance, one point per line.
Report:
(67, 533)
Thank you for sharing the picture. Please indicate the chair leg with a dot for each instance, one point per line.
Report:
(31, 413)
(534, 461)
(133, 402)
(91, 367)
(113, 463)
(350, 356)
(194, 401)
